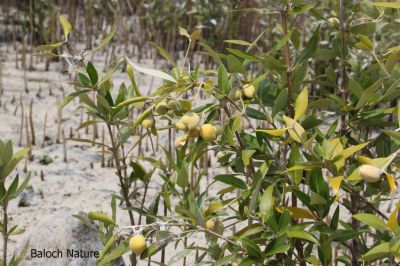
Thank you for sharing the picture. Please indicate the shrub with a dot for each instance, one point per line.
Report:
(296, 127)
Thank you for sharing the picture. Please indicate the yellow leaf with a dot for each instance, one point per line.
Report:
(364, 160)
(392, 182)
(301, 104)
(387, 4)
(296, 131)
(337, 147)
(351, 150)
(335, 183)
(381, 163)
(67, 27)
(214, 206)
(297, 213)
(273, 132)
(392, 221)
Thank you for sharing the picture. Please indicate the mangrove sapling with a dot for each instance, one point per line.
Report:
(293, 178)
(10, 188)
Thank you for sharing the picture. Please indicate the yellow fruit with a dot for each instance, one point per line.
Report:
(161, 108)
(218, 129)
(249, 91)
(334, 21)
(180, 141)
(235, 94)
(180, 125)
(147, 122)
(194, 133)
(210, 225)
(137, 244)
(370, 174)
(191, 120)
(207, 132)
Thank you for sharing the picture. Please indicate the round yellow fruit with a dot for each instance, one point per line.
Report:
(147, 122)
(235, 94)
(370, 174)
(137, 244)
(210, 225)
(180, 125)
(334, 21)
(191, 120)
(207, 132)
(161, 108)
(180, 141)
(249, 91)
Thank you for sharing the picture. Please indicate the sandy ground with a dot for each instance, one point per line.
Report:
(73, 183)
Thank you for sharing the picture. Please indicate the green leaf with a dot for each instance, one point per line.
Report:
(367, 94)
(45, 47)
(105, 40)
(301, 104)
(6, 153)
(178, 256)
(252, 248)
(280, 102)
(231, 180)
(371, 220)
(234, 65)
(297, 233)
(223, 80)
(152, 72)
(117, 252)
(267, 202)
(92, 72)
(71, 96)
(67, 27)
(130, 101)
(311, 47)
(163, 53)
(9, 167)
(355, 87)
(226, 259)
(238, 42)
(21, 187)
(279, 44)
(377, 252)
(13, 185)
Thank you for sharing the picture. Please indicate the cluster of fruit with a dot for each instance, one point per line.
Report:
(248, 91)
(162, 108)
(190, 123)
